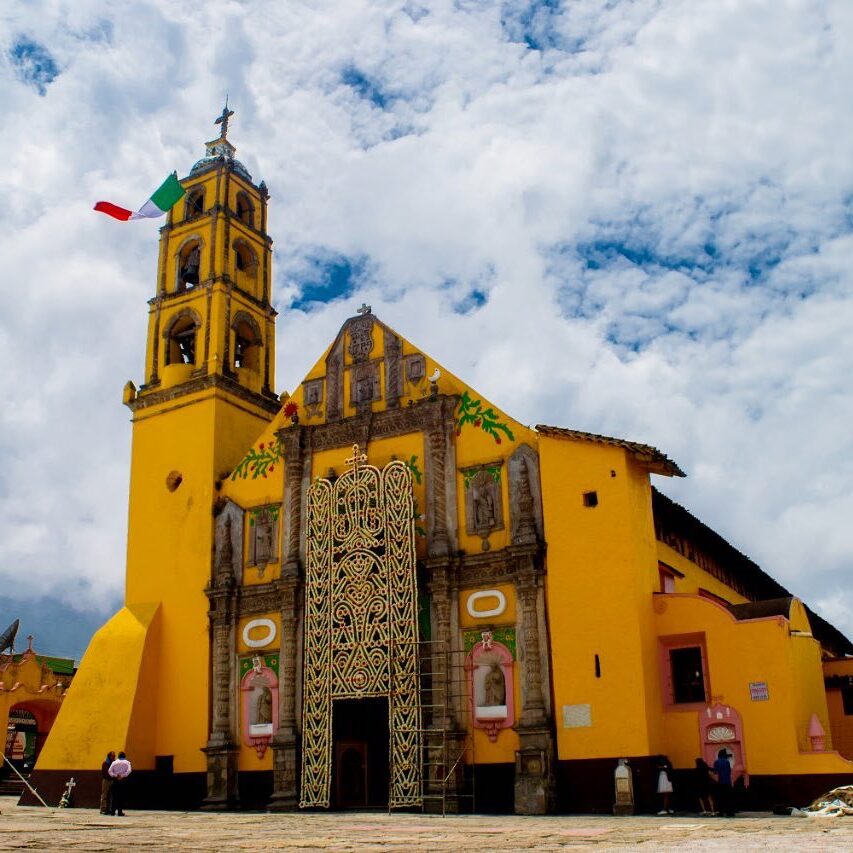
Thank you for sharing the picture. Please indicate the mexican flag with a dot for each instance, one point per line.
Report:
(160, 202)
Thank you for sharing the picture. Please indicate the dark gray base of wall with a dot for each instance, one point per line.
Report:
(587, 787)
(146, 789)
(583, 787)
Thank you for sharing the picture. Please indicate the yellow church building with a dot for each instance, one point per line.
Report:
(380, 591)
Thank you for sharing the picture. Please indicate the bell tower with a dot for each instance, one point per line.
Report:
(211, 324)
(207, 395)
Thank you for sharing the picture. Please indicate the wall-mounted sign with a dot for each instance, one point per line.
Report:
(758, 691)
(265, 639)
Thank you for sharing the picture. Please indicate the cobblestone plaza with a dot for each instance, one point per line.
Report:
(85, 829)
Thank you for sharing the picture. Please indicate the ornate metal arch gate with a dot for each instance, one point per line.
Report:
(361, 630)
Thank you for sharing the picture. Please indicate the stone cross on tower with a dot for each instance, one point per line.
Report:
(365, 309)
(223, 119)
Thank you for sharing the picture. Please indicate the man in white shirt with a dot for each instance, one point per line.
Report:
(119, 770)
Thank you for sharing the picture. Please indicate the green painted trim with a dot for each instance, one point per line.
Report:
(505, 636)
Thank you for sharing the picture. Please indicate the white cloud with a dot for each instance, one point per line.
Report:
(657, 204)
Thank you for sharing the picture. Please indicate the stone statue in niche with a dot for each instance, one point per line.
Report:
(415, 368)
(483, 505)
(494, 687)
(228, 554)
(489, 674)
(312, 397)
(259, 718)
(364, 386)
(263, 706)
(262, 542)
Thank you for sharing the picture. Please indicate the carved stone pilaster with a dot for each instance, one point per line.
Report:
(222, 747)
(285, 796)
(535, 759)
(527, 584)
(393, 348)
(445, 741)
(441, 477)
(293, 445)
(525, 496)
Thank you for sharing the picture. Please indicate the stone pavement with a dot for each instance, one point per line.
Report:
(85, 829)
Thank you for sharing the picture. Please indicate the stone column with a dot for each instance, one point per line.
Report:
(221, 749)
(534, 770)
(285, 796)
(441, 477)
(222, 746)
(292, 442)
(444, 740)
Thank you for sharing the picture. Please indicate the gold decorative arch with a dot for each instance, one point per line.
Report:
(361, 629)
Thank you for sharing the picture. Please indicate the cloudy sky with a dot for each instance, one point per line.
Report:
(624, 216)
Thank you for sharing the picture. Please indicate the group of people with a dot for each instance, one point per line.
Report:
(713, 785)
(114, 773)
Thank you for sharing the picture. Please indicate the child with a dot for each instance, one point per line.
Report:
(664, 784)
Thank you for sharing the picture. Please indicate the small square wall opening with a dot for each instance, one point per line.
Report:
(590, 499)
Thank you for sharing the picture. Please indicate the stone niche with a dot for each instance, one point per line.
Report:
(483, 500)
(263, 537)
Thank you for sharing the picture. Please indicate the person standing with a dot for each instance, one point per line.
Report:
(665, 785)
(120, 769)
(725, 792)
(107, 784)
(705, 787)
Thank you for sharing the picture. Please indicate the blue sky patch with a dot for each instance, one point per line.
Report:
(474, 299)
(364, 86)
(33, 64)
(328, 278)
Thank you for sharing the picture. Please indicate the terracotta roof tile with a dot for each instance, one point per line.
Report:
(645, 454)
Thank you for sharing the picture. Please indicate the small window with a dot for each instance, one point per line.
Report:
(189, 263)
(688, 676)
(245, 211)
(847, 700)
(180, 342)
(194, 206)
(247, 344)
(590, 499)
(667, 580)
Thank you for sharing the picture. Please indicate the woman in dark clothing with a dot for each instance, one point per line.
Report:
(107, 784)
(704, 787)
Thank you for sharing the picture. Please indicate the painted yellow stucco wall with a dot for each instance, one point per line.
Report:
(602, 567)
(755, 650)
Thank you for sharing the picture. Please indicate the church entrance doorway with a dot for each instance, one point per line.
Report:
(361, 755)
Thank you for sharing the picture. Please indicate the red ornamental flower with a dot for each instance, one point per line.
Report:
(290, 409)
(262, 445)
(459, 432)
(477, 422)
(497, 440)
(272, 467)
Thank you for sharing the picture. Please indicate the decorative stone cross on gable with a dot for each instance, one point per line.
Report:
(365, 309)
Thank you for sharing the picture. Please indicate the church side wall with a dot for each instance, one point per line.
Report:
(596, 593)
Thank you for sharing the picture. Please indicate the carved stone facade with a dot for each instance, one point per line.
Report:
(445, 573)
